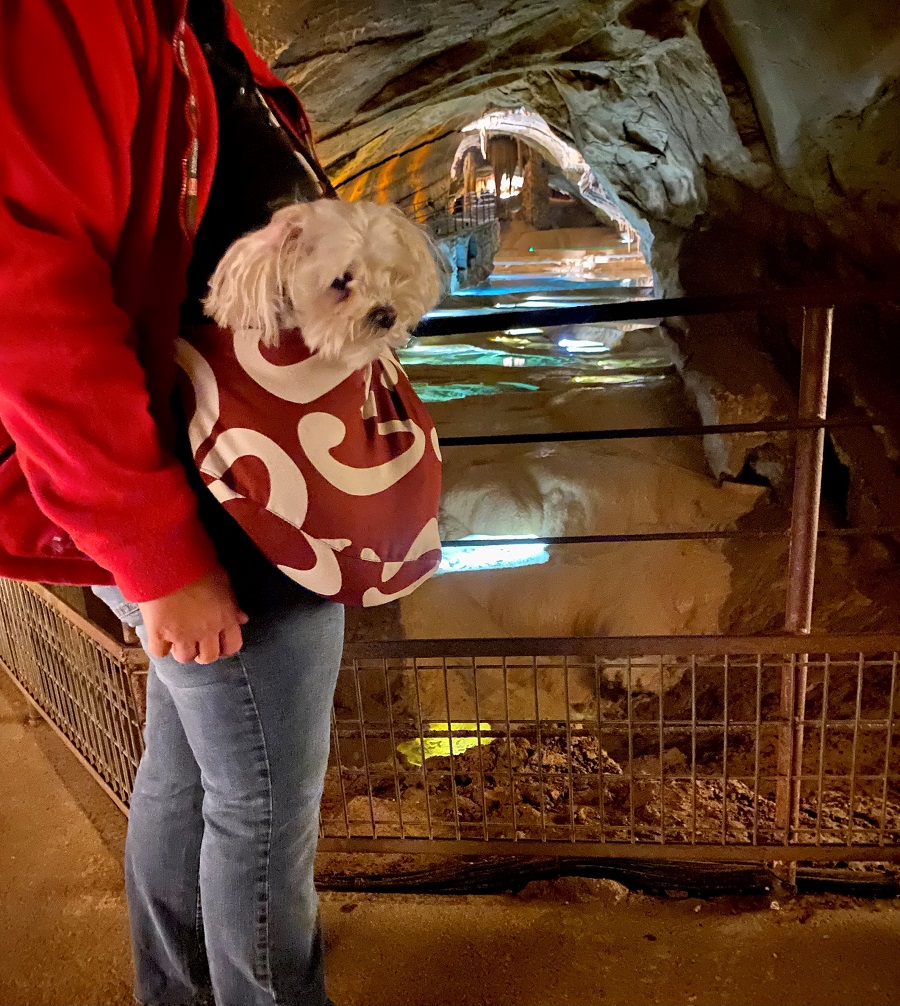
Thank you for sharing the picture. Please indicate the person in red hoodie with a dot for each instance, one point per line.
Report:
(139, 139)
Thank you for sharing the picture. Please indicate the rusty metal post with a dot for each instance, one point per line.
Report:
(814, 369)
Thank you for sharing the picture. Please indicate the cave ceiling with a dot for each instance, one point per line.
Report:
(667, 100)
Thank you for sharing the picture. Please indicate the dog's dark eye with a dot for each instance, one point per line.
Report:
(383, 317)
(342, 282)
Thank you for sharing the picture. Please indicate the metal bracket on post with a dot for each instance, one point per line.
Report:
(805, 508)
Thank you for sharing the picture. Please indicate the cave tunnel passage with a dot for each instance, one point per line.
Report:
(541, 220)
(516, 209)
(525, 222)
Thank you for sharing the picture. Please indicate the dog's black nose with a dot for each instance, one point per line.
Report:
(384, 317)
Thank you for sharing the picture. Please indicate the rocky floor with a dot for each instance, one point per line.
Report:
(64, 942)
(634, 752)
(529, 788)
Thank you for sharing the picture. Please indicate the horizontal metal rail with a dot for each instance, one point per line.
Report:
(644, 310)
(872, 531)
(640, 432)
(134, 659)
(622, 646)
(699, 852)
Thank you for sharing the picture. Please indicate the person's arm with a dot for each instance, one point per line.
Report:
(72, 390)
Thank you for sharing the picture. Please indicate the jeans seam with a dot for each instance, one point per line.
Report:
(267, 966)
(199, 941)
(197, 927)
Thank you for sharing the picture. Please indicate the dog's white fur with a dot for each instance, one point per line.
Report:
(354, 278)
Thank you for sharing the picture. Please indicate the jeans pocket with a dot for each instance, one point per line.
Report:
(126, 611)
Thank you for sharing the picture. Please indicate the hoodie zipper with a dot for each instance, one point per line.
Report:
(189, 163)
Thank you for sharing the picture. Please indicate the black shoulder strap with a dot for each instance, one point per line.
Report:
(312, 165)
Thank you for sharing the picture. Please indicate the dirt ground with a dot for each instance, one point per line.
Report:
(64, 939)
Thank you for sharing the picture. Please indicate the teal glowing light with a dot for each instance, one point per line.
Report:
(467, 356)
(452, 392)
(461, 559)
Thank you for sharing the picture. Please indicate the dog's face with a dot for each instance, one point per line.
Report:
(354, 278)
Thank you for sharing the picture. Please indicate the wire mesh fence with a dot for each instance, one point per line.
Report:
(650, 744)
(89, 687)
(686, 747)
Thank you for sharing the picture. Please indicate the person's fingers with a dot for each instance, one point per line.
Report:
(184, 653)
(230, 641)
(157, 646)
(208, 650)
(243, 618)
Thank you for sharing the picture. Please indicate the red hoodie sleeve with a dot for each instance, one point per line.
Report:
(72, 391)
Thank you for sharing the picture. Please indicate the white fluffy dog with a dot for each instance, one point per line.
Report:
(354, 278)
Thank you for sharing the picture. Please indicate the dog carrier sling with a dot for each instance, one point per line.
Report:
(333, 473)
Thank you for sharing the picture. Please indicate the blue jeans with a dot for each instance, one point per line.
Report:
(223, 823)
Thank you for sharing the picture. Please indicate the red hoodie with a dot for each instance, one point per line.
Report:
(107, 150)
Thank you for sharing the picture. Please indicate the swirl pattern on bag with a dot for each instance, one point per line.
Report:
(334, 474)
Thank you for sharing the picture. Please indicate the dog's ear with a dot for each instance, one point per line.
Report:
(246, 291)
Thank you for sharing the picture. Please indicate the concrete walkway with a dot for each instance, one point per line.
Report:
(64, 939)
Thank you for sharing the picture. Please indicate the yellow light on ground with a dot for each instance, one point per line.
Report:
(599, 380)
(440, 747)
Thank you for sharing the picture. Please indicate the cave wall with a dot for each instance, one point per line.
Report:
(416, 178)
(825, 80)
(693, 112)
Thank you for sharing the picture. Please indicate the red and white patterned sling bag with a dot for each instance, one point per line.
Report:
(334, 474)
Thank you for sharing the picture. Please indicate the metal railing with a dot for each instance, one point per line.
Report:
(664, 747)
(473, 210)
(88, 686)
(770, 747)
(467, 213)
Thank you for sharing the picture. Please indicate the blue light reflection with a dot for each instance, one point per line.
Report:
(460, 559)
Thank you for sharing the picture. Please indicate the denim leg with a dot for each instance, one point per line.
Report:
(257, 724)
(162, 851)
(162, 862)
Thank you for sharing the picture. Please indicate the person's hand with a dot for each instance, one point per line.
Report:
(201, 622)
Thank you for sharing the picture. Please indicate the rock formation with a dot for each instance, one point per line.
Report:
(648, 114)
